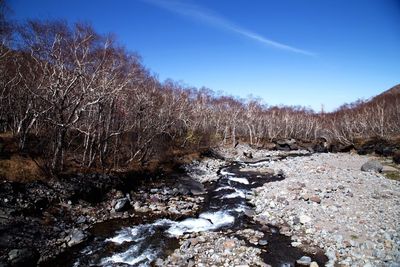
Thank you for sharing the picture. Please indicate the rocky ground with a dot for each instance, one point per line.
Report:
(39, 220)
(328, 202)
(325, 202)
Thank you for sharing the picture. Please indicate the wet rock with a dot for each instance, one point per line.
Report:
(372, 165)
(303, 261)
(122, 205)
(188, 185)
(23, 257)
(76, 237)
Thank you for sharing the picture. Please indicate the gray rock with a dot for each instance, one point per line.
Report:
(263, 242)
(188, 185)
(122, 205)
(81, 219)
(23, 257)
(76, 237)
(303, 261)
(372, 165)
(304, 219)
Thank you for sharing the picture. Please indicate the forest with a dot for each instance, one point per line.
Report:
(70, 96)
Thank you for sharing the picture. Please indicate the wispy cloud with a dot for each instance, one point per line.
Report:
(215, 20)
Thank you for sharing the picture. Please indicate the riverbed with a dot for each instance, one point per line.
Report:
(225, 213)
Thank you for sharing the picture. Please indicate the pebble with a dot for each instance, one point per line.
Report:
(303, 261)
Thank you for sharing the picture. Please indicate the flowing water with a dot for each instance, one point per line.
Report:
(225, 206)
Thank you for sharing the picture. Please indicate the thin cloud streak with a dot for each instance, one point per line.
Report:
(209, 17)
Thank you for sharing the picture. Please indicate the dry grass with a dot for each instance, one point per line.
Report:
(19, 169)
(393, 175)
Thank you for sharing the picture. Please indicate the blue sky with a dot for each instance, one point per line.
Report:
(292, 52)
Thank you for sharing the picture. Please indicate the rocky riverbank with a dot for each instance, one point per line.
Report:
(39, 220)
(326, 201)
(325, 204)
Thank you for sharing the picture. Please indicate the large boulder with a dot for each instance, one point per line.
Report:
(372, 166)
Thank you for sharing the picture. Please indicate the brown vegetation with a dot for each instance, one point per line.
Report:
(77, 98)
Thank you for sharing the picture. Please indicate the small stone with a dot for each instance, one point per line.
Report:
(229, 244)
(304, 219)
(76, 237)
(296, 220)
(296, 244)
(262, 242)
(122, 205)
(388, 244)
(314, 264)
(315, 199)
(303, 261)
(194, 241)
(81, 219)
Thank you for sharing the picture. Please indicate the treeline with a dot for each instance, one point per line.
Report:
(80, 97)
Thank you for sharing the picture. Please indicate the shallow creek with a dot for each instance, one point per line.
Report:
(225, 207)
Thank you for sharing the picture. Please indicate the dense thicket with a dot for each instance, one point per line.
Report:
(84, 99)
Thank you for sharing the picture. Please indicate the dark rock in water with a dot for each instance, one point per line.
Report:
(24, 257)
(372, 165)
(303, 261)
(187, 185)
(396, 158)
(76, 237)
(122, 205)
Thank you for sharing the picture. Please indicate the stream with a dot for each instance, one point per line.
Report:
(226, 206)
